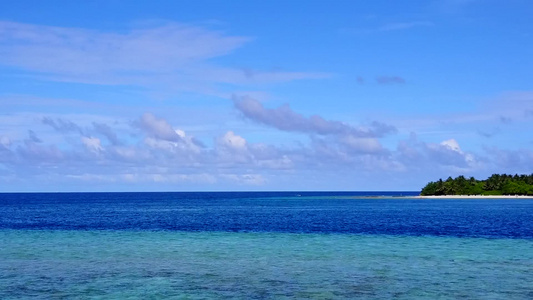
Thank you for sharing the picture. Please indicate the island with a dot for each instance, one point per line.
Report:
(495, 185)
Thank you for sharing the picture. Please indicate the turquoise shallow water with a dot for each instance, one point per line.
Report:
(60, 264)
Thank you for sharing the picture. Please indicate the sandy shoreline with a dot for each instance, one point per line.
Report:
(447, 197)
(474, 197)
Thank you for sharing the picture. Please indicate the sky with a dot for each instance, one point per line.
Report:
(118, 95)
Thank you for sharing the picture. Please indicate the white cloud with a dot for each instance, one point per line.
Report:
(60, 50)
(362, 145)
(92, 178)
(154, 152)
(430, 157)
(163, 137)
(284, 118)
(92, 144)
(233, 141)
(513, 161)
(245, 179)
(44, 154)
(108, 132)
(5, 142)
(158, 128)
(6, 155)
(452, 145)
(129, 153)
(170, 56)
(232, 149)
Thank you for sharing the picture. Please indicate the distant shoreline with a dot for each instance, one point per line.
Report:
(474, 197)
(443, 197)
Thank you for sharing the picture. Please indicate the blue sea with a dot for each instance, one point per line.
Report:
(264, 245)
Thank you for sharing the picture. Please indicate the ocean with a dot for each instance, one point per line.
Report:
(264, 245)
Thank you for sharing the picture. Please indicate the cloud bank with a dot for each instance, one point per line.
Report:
(159, 152)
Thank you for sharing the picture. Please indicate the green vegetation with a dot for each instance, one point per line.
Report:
(494, 185)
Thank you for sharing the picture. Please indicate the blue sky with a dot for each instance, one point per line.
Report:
(262, 95)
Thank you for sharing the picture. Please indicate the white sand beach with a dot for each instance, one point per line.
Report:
(474, 197)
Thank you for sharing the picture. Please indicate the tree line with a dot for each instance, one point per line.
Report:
(497, 184)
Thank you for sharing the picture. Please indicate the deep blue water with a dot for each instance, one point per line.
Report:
(293, 245)
(281, 212)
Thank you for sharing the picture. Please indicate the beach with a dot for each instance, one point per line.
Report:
(474, 197)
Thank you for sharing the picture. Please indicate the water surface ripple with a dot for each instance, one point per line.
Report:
(263, 246)
(269, 212)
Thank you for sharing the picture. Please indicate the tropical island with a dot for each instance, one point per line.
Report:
(497, 184)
